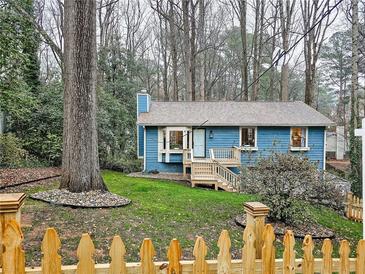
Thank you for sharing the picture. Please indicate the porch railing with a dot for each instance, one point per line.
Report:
(213, 170)
(225, 154)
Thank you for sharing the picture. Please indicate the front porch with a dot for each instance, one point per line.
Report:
(213, 170)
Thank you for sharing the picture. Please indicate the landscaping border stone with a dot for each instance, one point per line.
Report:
(90, 199)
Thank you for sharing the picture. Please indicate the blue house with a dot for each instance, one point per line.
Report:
(208, 141)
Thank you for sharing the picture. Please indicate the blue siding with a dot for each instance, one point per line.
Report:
(140, 141)
(222, 137)
(277, 139)
(269, 140)
(143, 101)
(316, 144)
(152, 154)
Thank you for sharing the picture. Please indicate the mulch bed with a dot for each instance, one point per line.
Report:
(300, 231)
(17, 176)
(90, 199)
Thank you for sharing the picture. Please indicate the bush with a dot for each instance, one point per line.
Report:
(284, 182)
(123, 165)
(12, 153)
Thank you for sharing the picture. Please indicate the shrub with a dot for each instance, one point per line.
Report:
(123, 165)
(284, 182)
(12, 153)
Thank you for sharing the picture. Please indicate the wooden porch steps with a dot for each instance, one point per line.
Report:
(214, 170)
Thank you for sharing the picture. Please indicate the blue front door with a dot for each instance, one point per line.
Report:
(199, 142)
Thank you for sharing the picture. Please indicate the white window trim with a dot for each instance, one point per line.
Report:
(248, 148)
(167, 151)
(306, 147)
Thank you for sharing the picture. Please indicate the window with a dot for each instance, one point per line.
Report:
(248, 137)
(176, 139)
(299, 137)
(164, 138)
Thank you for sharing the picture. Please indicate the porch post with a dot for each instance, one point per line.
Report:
(10, 205)
(256, 213)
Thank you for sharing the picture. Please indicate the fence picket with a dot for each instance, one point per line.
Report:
(224, 265)
(289, 255)
(344, 257)
(308, 258)
(327, 250)
(117, 252)
(51, 261)
(200, 265)
(268, 250)
(147, 253)
(13, 254)
(85, 254)
(360, 257)
(249, 251)
(174, 255)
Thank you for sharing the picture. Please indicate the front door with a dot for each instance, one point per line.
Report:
(199, 142)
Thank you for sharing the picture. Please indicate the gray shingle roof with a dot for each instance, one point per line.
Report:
(230, 113)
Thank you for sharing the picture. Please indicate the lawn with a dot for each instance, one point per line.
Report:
(160, 210)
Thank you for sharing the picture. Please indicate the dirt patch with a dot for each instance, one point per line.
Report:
(18, 176)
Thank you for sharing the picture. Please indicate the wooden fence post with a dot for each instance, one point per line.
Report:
(360, 257)
(51, 261)
(14, 257)
(174, 255)
(349, 205)
(256, 213)
(10, 205)
(85, 253)
(289, 253)
(308, 258)
(268, 250)
(344, 257)
(117, 253)
(249, 251)
(224, 264)
(327, 250)
(147, 253)
(200, 265)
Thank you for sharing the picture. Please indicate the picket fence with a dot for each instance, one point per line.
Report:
(354, 210)
(14, 256)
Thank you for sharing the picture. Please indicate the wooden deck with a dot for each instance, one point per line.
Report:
(214, 170)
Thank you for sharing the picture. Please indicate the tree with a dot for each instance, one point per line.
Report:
(312, 12)
(286, 18)
(80, 159)
(355, 145)
(336, 58)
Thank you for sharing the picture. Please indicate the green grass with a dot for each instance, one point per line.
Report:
(161, 210)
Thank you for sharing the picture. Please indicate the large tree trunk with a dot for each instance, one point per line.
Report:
(202, 59)
(355, 143)
(187, 50)
(80, 159)
(255, 45)
(286, 24)
(244, 69)
(192, 49)
(173, 47)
